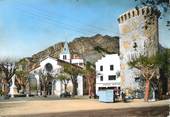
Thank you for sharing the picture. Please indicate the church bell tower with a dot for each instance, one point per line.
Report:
(65, 54)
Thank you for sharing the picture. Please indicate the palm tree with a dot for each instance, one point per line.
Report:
(149, 70)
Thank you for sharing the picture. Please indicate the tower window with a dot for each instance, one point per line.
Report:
(128, 15)
(64, 57)
(101, 68)
(111, 67)
(143, 11)
(135, 45)
(147, 11)
(138, 12)
(133, 13)
(125, 17)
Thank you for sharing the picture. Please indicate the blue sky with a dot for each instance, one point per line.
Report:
(29, 26)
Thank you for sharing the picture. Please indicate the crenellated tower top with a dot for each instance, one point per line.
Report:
(145, 11)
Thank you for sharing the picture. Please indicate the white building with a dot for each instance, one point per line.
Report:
(107, 73)
(77, 60)
(67, 57)
(54, 66)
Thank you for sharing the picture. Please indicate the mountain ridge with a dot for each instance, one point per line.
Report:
(83, 46)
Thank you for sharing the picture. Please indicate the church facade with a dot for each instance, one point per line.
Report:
(54, 67)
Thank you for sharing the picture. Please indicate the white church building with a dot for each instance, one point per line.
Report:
(107, 73)
(54, 66)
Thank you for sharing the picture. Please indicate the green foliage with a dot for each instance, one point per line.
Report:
(22, 77)
(102, 50)
(72, 70)
(90, 66)
(166, 62)
(63, 78)
(151, 62)
(21, 73)
(89, 69)
(148, 65)
(1, 92)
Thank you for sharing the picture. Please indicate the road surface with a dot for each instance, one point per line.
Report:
(83, 108)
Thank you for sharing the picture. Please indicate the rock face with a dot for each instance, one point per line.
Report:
(83, 46)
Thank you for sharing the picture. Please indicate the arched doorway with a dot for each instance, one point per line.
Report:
(56, 87)
(49, 88)
(33, 86)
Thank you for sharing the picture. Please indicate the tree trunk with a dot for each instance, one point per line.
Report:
(74, 82)
(74, 88)
(24, 89)
(65, 87)
(90, 86)
(28, 89)
(147, 90)
(90, 90)
(45, 89)
(5, 88)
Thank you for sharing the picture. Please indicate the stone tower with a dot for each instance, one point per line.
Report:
(138, 36)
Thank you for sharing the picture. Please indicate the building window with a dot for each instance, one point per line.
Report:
(49, 67)
(101, 68)
(101, 78)
(112, 77)
(64, 57)
(111, 67)
(143, 11)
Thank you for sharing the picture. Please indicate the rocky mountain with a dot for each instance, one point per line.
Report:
(83, 46)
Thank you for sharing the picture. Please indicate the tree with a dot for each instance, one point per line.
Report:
(149, 70)
(1, 78)
(8, 68)
(22, 73)
(165, 70)
(73, 71)
(64, 78)
(22, 79)
(90, 74)
(45, 79)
